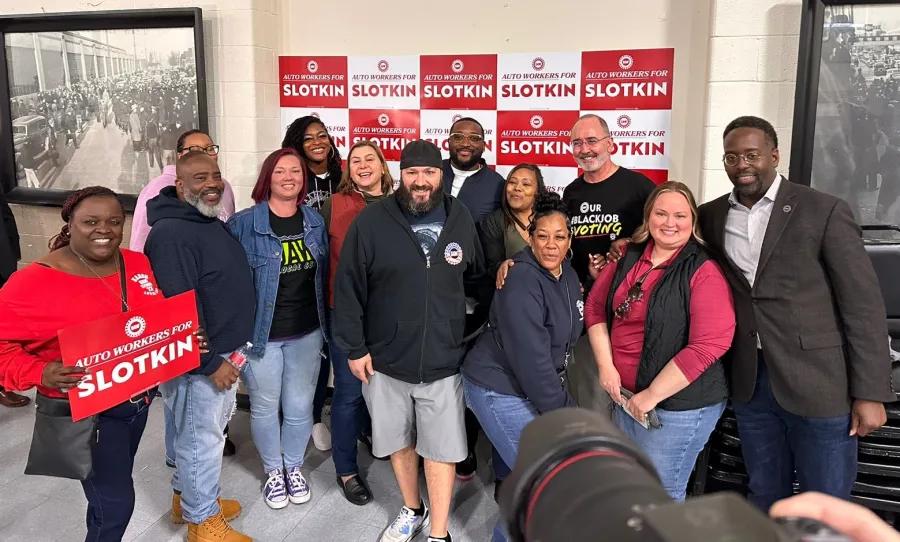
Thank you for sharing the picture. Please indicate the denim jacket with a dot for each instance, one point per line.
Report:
(252, 229)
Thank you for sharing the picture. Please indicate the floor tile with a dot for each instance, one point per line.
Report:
(53, 509)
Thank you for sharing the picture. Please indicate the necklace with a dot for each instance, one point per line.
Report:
(91, 269)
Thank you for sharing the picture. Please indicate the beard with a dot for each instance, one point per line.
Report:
(408, 202)
(465, 165)
(749, 190)
(196, 201)
(600, 161)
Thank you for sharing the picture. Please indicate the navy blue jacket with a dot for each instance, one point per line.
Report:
(535, 321)
(191, 251)
(481, 193)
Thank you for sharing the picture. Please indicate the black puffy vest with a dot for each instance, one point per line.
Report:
(667, 327)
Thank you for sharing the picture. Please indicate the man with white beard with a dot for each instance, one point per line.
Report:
(605, 203)
(190, 249)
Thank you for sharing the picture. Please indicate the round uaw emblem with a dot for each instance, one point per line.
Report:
(453, 254)
(135, 326)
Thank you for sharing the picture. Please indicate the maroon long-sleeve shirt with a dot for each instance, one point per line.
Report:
(712, 317)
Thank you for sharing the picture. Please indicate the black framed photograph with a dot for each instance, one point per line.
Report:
(846, 133)
(96, 98)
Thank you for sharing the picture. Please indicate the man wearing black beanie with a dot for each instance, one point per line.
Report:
(407, 263)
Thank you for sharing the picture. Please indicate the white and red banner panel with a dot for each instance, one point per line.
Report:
(527, 103)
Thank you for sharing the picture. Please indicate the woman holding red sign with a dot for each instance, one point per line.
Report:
(287, 246)
(85, 277)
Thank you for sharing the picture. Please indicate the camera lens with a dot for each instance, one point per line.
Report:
(577, 477)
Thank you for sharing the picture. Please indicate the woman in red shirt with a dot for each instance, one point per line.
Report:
(659, 320)
(78, 282)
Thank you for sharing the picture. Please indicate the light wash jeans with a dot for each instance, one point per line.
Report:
(200, 413)
(284, 378)
(169, 424)
(503, 417)
(674, 447)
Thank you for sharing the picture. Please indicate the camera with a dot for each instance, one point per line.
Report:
(578, 478)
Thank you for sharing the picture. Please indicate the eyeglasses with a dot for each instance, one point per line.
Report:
(212, 150)
(634, 294)
(457, 137)
(591, 142)
(732, 160)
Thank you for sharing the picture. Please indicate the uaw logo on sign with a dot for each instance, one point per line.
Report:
(314, 114)
(457, 66)
(383, 66)
(536, 121)
(384, 119)
(626, 62)
(538, 64)
(453, 253)
(624, 121)
(134, 327)
(312, 66)
(455, 118)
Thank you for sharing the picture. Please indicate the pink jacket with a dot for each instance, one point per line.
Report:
(139, 227)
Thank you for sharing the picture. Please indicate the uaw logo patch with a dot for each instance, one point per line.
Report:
(453, 254)
(143, 281)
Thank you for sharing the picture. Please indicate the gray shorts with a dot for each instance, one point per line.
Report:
(427, 416)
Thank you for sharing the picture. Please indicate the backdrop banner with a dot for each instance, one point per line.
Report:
(527, 103)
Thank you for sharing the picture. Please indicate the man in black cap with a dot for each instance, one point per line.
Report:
(405, 268)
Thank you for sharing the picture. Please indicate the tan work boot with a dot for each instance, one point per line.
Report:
(215, 529)
(230, 509)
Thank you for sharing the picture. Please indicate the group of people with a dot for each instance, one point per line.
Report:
(461, 302)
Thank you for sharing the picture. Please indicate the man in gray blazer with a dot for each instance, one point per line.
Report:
(809, 366)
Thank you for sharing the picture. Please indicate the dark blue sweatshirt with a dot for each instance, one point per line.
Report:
(191, 251)
(481, 193)
(534, 321)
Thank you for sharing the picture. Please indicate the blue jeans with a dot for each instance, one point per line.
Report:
(503, 417)
(349, 414)
(169, 424)
(284, 378)
(110, 491)
(674, 447)
(776, 443)
(201, 412)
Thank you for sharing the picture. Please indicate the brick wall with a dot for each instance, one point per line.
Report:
(752, 71)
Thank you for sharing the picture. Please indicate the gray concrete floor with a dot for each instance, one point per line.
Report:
(39, 509)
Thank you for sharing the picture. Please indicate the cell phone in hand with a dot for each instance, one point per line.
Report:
(652, 421)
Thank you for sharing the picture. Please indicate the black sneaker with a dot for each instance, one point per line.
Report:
(356, 490)
(229, 449)
(367, 442)
(444, 539)
(465, 469)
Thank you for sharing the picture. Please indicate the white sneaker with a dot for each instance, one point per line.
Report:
(406, 526)
(321, 437)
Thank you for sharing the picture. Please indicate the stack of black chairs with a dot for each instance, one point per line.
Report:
(720, 466)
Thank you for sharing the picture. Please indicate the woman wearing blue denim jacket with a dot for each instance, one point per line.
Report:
(287, 246)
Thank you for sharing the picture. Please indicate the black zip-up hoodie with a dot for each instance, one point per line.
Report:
(191, 251)
(390, 301)
(535, 321)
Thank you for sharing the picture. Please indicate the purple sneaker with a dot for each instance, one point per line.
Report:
(275, 493)
(297, 488)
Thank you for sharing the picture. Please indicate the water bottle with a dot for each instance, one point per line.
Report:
(239, 357)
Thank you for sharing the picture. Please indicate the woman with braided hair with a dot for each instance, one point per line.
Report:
(84, 277)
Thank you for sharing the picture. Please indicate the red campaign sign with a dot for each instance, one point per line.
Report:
(131, 352)
(542, 138)
(458, 82)
(308, 81)
(632, 79)
(390, 129)
(658, 176)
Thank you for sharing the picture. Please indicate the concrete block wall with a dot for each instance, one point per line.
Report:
(752, 71)
(241, 46)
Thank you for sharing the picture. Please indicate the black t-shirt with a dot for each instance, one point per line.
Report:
(428, 228)
(603, 212)
(296, 310)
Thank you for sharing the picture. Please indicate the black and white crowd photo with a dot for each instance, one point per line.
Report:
(110, 103)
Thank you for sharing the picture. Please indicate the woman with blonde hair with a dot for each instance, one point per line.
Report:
(365, 180)
(659, 320)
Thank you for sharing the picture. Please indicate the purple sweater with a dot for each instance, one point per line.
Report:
(140, 229)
